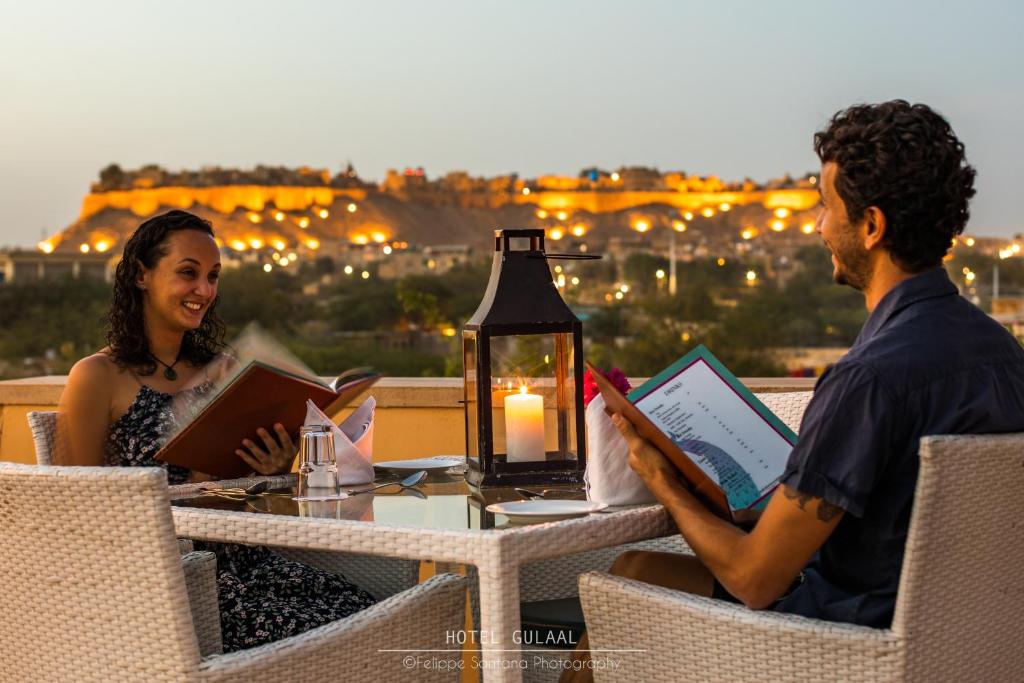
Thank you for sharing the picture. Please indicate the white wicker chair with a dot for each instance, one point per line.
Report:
(382, 577)
(94, 590)
(957, 612)
(557, 578)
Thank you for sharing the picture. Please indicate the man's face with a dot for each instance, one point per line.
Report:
(850, 263)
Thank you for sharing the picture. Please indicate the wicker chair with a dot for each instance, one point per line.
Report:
(382, 577)
(95, 590)
(957, 612)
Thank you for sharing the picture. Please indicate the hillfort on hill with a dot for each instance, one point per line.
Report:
(312, 210)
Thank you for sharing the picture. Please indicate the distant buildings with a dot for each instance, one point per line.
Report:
(26, 266)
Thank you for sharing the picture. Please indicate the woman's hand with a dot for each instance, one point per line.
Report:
(274, 457)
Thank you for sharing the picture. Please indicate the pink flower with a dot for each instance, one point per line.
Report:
(615, 376)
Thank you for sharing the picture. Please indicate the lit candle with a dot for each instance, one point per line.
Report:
(524, 426)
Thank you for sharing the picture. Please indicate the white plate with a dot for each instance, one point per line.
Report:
(532, 511)
(427, 464)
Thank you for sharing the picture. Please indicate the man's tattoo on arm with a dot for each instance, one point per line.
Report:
(800, 498)
(826, 511)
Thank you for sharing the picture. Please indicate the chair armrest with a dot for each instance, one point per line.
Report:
(350, 649)
(201, 582)
(382, 577)
(684, 637)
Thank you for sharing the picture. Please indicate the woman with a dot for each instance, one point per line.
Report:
(165, 346)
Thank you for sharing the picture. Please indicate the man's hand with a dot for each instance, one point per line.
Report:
(277, 455)
(644, 458)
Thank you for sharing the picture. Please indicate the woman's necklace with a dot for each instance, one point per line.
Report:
(169, 372)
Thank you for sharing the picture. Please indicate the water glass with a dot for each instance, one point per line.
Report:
(318, 469)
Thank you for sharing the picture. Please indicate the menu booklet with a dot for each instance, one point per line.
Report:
(261, 395)
(727, 445)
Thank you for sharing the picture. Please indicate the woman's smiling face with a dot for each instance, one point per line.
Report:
(179, 289)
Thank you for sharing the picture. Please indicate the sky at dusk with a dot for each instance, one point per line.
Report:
(734, 89)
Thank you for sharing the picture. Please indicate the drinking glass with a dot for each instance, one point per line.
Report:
(318, 469)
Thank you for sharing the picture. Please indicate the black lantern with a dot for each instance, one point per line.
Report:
(522, 359)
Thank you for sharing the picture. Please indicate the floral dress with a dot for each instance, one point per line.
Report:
(262, 596)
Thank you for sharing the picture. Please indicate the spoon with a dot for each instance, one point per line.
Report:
(408, 482)
(239, 494)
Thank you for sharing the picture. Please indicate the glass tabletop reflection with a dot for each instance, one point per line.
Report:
(442, 501)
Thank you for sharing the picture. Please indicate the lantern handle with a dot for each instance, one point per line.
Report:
(566, 257)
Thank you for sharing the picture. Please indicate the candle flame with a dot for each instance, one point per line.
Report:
(522, 389)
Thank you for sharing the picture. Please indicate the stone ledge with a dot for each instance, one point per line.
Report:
(390, 392)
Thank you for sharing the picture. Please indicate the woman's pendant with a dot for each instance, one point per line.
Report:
(170, 374)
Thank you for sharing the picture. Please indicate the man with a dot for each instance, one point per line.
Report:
(894, 188)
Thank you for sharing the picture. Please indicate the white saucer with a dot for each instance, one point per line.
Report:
(439, 464)
(534, 511)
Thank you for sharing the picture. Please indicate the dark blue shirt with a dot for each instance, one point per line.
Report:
(926, 362)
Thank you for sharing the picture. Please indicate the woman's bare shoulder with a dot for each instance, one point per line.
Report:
(99, 371)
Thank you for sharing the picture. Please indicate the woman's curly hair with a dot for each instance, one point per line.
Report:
(904, 159)
(126, 327)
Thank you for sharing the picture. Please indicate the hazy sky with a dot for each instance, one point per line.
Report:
(731, 88)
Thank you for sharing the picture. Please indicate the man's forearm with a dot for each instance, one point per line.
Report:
(716, 542)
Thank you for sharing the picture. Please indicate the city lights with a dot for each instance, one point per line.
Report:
(747, 234)
(561, 215)
(323, 213)
(352, 208)
(279, 245)
(721, 261)
(255, 243)
(84, 248)
(618, 295)
(641, 225)
(303, 222)
(751, 277)
(366, 275)
(660, 274)
(313, 243)
(688, 215)
(254, 217)
(102, 246)
(46, 247)
(679, 226)
(348, 270)
(556, 234)
(278, 216)
(782, 212)
(378, 237)
(807, 228)
(778, 225)
(267, 267)
(725, 206)
(707, 212)
(387, 249)
(575, 281)
(526, 190)
(238, 245)
(579, 230)
(969, 241)
(541, 213)
(360, 239)
(615, 177)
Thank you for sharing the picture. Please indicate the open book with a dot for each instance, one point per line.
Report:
(260, 395)
(726, 444)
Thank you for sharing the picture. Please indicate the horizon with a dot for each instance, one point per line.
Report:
(530, 89)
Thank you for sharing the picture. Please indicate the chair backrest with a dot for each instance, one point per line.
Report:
(91, 576)
(961, 595)
(788, 405)
(43, 424)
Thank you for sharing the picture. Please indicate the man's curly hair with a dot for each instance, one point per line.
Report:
(904, 159)
(126, 327)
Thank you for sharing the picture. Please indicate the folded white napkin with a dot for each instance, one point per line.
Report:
(608, 477)
(353, 441)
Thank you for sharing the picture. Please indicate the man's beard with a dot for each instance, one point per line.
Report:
(853, 267)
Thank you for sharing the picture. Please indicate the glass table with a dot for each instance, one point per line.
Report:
(444, 520)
